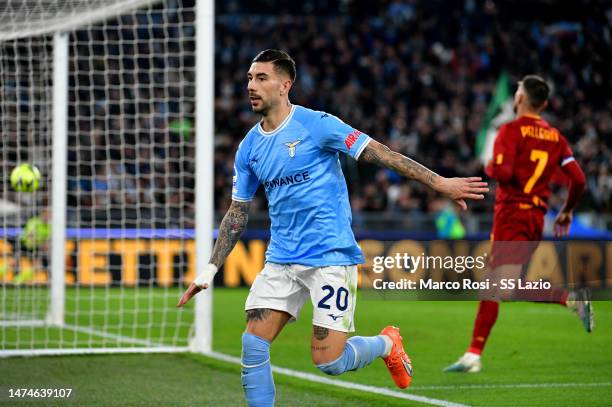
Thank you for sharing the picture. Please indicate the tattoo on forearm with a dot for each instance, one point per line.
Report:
(233, 224)
(320, 333)
(258, 314)
(380, 154)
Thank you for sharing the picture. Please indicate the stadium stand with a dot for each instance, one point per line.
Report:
(385, 68)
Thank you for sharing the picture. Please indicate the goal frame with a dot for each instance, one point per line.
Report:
(201, 339)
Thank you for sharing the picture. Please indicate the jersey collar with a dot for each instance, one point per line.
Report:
(280, 127)
(532, 116)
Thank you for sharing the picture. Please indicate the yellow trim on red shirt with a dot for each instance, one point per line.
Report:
(537, 201)
(532, 116)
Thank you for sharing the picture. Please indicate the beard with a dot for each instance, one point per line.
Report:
(263, 108)
(515, 107)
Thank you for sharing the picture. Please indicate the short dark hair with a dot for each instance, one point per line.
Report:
(281, 60)
(537, 90)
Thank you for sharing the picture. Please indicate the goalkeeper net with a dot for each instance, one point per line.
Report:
(129, 244)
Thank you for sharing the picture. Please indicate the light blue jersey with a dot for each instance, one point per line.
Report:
(298, 166)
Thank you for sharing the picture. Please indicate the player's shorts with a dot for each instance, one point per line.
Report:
(286, 287)
(517, 230)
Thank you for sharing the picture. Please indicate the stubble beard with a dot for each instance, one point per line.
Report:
(263, 110)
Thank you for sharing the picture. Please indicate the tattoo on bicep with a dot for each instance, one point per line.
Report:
(320, 333)
(319, 348)
(233, 224)
(380, 154)
(258, 314)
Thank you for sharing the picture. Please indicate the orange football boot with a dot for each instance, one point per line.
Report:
(398, 362)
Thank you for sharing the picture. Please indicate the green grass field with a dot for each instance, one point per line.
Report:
(538, 355)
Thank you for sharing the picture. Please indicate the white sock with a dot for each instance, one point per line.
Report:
(470, 356)
(388, 345)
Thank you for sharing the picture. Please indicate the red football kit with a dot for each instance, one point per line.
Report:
(526, 155)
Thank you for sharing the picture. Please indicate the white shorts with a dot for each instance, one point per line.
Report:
(286, 287)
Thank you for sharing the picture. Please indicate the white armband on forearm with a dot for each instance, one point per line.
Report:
(206, 276)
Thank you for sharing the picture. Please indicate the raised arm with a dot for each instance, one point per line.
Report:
(233, 224)
(458, 189)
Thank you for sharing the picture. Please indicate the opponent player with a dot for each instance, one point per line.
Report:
(526, 154)
(293, 152)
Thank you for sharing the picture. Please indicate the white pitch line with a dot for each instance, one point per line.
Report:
(341, 383)
(102, 334)
(510, 386)
(16, 324)
(89, 351)
(85, 330)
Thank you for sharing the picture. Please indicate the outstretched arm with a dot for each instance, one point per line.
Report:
(458, 189)
(233, 224)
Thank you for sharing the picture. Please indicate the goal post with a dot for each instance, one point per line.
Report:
(205, 56)
(57, 271)
(113, 100)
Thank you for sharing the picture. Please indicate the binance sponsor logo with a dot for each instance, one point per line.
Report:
(298, 178)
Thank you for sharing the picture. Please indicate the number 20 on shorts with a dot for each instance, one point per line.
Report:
(341, 298)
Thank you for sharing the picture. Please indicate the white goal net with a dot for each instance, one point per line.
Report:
(100, 96)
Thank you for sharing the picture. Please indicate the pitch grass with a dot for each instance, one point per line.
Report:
(157, 380)
(147, 313)
(531, 344)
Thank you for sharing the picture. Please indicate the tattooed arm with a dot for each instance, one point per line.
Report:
(233, 224)
(458, 189)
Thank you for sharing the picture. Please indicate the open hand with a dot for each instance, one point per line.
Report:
(460, 189)
(190, 292)
(562, 224)
(202, 282)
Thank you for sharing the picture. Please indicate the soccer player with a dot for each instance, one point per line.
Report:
(526, 154)
(31, 246)
(293, 152)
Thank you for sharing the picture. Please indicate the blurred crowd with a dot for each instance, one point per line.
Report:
(131, 147)
(416, 75)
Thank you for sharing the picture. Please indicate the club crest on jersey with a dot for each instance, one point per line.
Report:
(291, 146)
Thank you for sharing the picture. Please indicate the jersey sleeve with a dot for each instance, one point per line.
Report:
(567, 155)
(335, 135)
(245, 182)
(504, 151)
